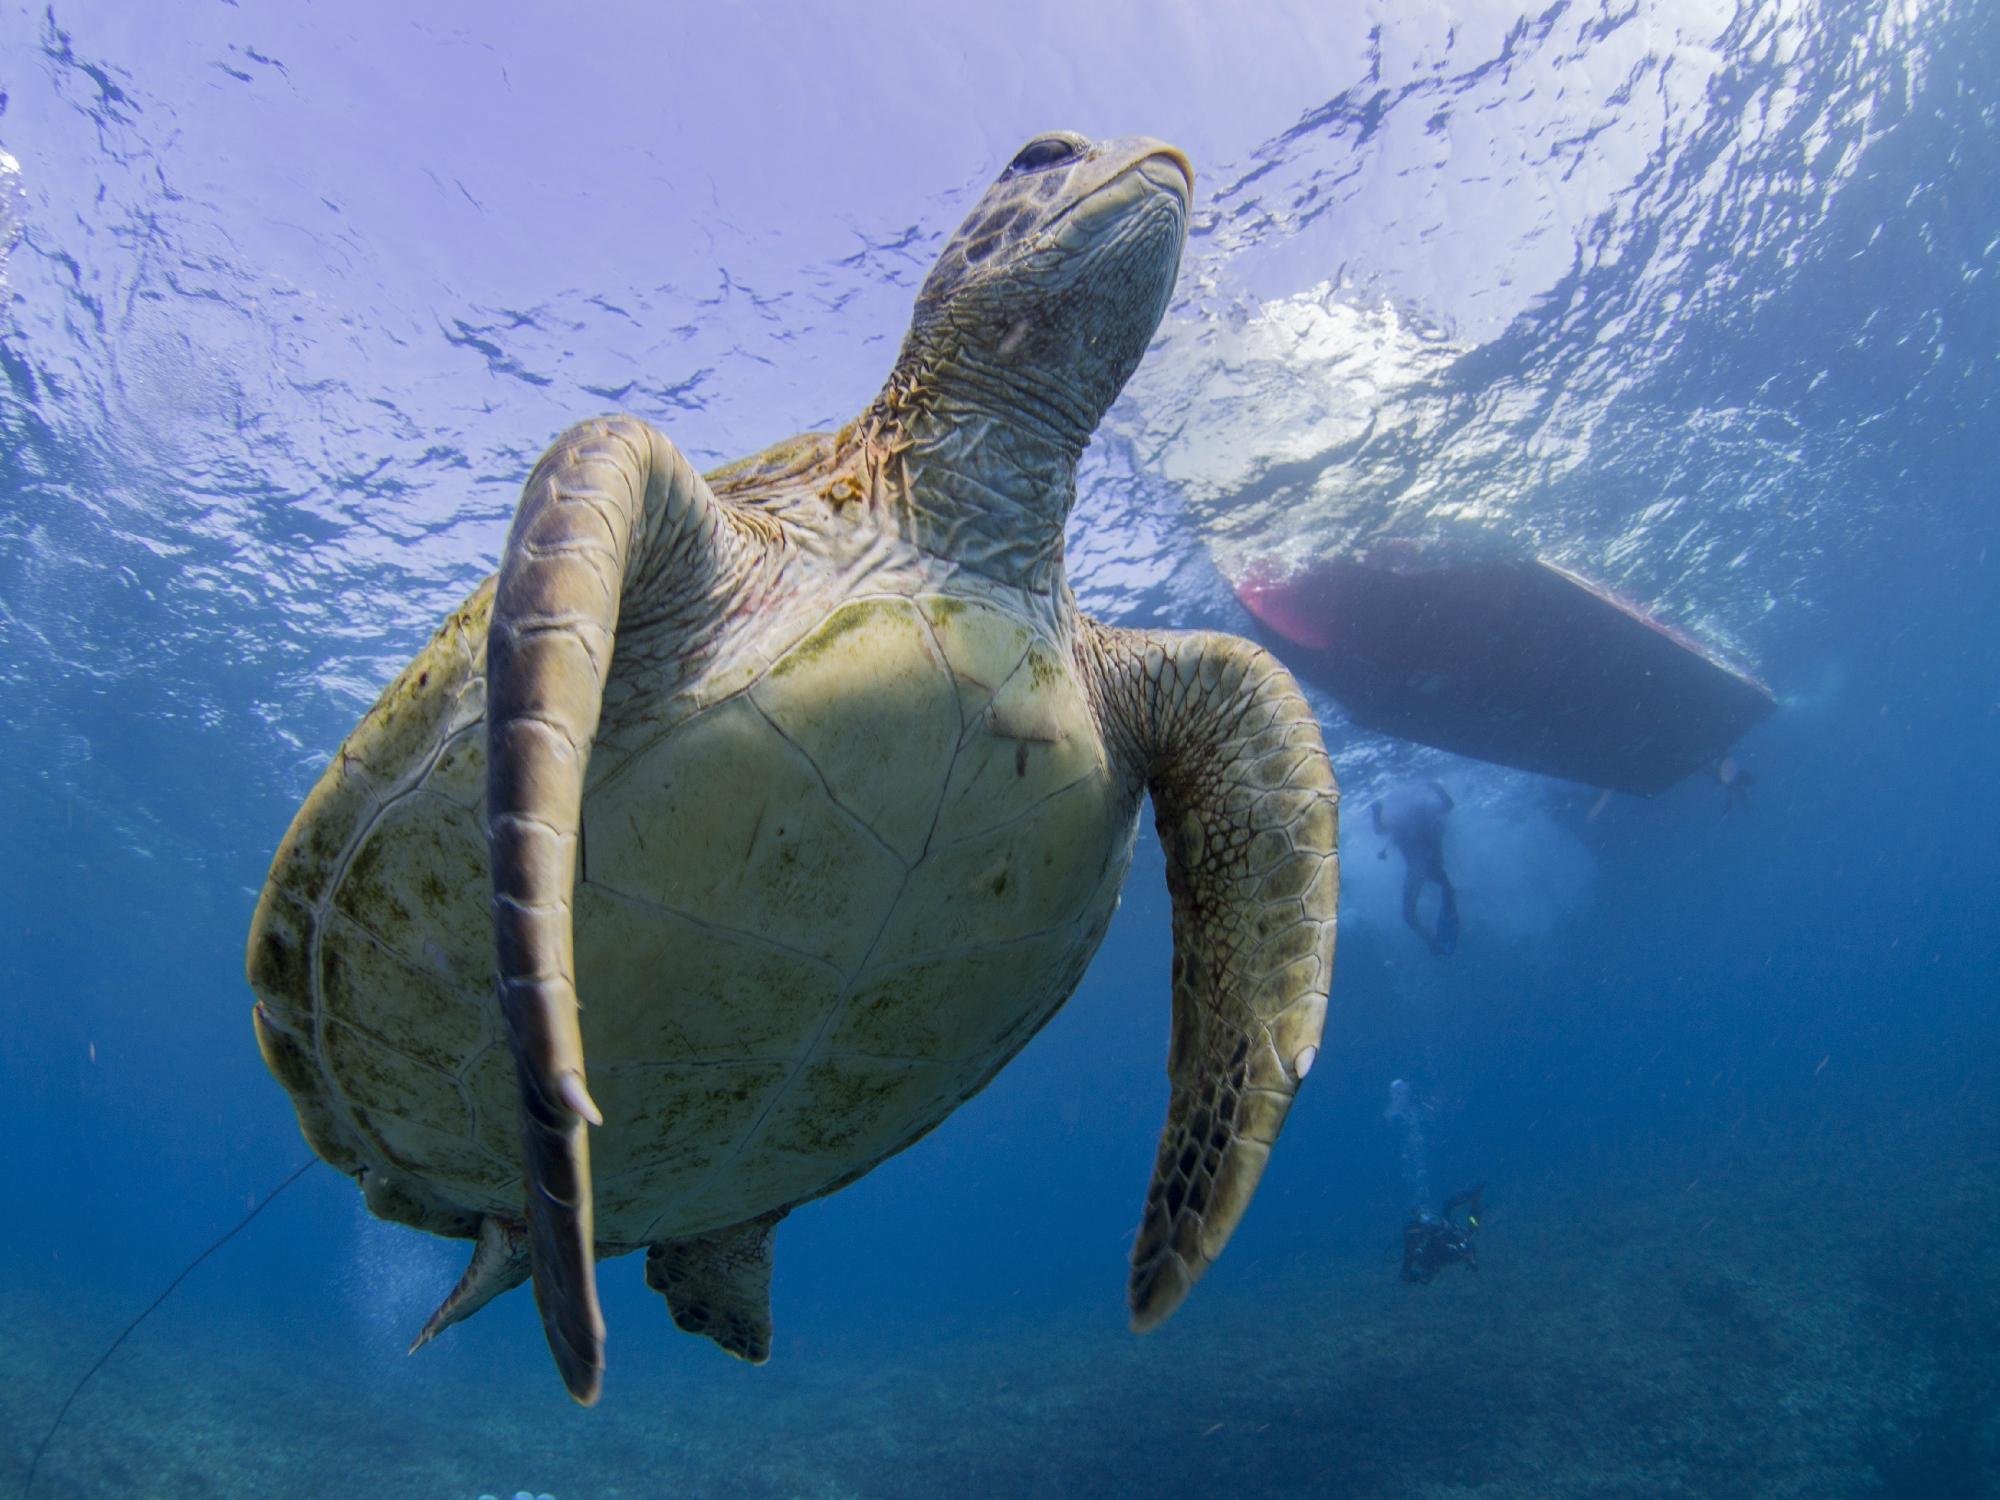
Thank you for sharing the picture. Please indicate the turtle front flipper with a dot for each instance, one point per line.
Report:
(1248, 811)
(612, 510)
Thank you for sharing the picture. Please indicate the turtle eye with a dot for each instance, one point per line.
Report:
(1049, 151)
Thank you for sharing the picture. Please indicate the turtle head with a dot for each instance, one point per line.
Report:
(1044, 300)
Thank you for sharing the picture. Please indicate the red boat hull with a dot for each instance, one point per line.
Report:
(1517, 662)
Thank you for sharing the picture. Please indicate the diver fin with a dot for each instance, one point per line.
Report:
(499, 1264)
(719, 1285)
(1465, 1198)
(1414, 879)
(1248, 812)
(1446, 942)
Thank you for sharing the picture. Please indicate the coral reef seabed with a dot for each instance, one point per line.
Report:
(1801, 1311)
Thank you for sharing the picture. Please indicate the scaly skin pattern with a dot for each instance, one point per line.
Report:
(1247, 810)
(743, 826)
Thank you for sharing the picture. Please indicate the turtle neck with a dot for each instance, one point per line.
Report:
(980, 476)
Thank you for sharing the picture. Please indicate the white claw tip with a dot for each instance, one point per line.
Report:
(1303, 1063)
(577, 1097)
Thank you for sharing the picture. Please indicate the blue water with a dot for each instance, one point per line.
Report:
(1699, 299)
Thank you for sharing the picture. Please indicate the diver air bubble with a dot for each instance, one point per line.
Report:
(1416, 1172)
(1399, 1099)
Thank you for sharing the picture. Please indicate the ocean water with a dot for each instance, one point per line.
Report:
(1696, 298)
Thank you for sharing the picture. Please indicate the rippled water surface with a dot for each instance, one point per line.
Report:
(1695, 298)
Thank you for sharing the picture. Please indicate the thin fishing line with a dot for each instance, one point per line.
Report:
(187, 1270)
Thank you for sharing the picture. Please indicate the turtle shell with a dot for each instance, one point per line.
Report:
(828, 885)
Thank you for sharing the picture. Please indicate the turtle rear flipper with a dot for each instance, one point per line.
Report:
(612, 506)
(499, 1264)
(1247, 810)
(719, 1285)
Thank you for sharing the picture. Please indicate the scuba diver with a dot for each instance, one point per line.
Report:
(1430, 1241)
(1411, 817)
(1736, 783)
(1433, 1241)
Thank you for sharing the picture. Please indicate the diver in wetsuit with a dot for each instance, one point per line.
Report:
(1736, 783)
(1433, 1241)
(1411, 817)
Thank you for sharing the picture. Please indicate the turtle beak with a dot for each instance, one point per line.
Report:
(1123, 173)
(1178, 158)
(1166, 167)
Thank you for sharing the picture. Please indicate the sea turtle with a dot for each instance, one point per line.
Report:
(792, 800)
